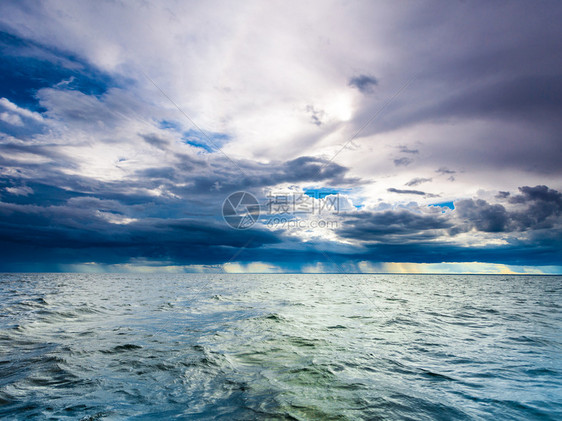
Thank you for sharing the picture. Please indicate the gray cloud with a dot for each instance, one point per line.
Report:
(540, 220)
(405, 149)
(393, 226)
(416, 192)
(502, 195)
(417, 181)
(364, 83)
(482, 215)
(445, 170)
(316, 116)
(82, 230)
(541, 194)
(403, 162)
(155, 141)
(542, 209)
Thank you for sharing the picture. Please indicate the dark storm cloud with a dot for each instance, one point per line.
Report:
(364, 83)
(256, 176)
(196, 187)
(541, 194)
(541, 209)
(77, 228)
(85, 229)
(544, 207)
(392, 226)
(535, 220)
(534, 100)
(43, 194)
(482, 215)
(115, 221)
(417, 181)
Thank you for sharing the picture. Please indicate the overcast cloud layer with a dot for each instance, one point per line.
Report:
(435, 125)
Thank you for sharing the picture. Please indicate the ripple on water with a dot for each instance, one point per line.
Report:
(280, 347)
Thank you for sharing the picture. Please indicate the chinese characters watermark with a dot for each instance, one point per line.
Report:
(283, 210)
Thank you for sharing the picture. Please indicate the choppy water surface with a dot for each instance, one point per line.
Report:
(295, 347)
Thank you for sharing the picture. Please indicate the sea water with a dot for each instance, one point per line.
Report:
(276, 347)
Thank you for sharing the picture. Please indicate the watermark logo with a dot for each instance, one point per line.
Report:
(282, 222)
(295, 203)
(241, 210)
(291, 211)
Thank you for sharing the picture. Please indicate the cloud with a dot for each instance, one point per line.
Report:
(21, 122)
(445, 170)
(482, 215)
(544, 207)
(533, 219)
(405, 149)
(542, 210)
(541, 194)
(392, 226)
(402, 162)
(155, 141)
(364, 83)
(82, 229)
(20, 191)
(521, 97)
(13, 119)
(502, 195)
(85, 228)
(94, 157)
(22, 112)
(416, 192)
(316, 116)
(417, 181)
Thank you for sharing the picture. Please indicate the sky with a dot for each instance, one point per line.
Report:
(374, 136)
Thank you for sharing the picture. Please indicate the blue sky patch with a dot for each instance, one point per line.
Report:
(449, 205)
(168, 124)
(26, 67)
(209, 143)
(322, 192)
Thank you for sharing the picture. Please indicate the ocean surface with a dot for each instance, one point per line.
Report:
(280, 347)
